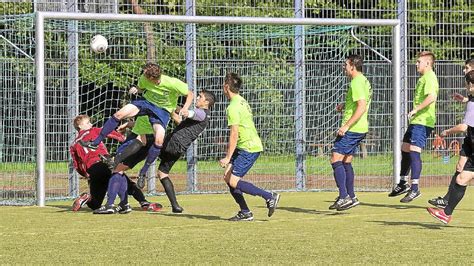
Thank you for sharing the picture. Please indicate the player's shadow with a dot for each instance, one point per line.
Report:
(310, 211)
(191, 216)
(432, 226)
(67, 208)
(392, 206)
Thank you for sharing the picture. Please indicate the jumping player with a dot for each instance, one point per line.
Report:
(161, 94)
(458, 189)
(442, 202)
(422, 120)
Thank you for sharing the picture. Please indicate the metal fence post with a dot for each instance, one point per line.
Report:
(402, 16)
(40, 111)
(191, 80)
(73, 92)
(300, 114)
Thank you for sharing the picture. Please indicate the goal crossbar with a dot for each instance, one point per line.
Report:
(40, 67)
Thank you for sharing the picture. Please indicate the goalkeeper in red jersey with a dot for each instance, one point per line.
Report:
(87, 163)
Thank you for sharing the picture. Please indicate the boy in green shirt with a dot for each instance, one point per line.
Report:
(353, 130)
(160, 97)
(422, 120)
(243, 149)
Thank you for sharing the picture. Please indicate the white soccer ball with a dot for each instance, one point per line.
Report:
(99, 44)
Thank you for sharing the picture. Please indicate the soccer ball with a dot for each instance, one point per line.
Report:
(99, 44)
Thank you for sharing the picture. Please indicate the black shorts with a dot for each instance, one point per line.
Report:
(168, 159)
(466, 149)
(99, 175)
(141, 155)
(469, 166)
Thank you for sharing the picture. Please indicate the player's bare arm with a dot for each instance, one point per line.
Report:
(431, 98)
(459, 128)
(231, 146)
(360, 110)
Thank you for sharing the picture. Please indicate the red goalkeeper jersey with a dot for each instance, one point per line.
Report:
(83, 157)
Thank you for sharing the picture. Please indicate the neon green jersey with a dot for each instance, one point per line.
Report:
(239, 113)
(359, 89)
(142, 126)
(164, 95)
(427, 84)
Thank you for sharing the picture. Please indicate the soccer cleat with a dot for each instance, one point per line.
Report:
(105, 209)
(333, 206)
(273, 203)
(242, 216)
(88, 144)
(440, 215)
(354, 202)
(123, 208)
(438, 202)
(155, 207)
(141, 181)
(144, 205)
(81, 201)
(108, 160)
(411, 195)
(399, 190)
(177, 209)
(341, 204)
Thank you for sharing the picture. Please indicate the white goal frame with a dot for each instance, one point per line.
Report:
(40, 67)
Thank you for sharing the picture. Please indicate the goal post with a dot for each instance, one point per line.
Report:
(41, 17)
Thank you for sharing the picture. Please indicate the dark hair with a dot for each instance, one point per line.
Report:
(470, 77)
(210, 97)
(470, 62)
(234, 81)
(78, 120)
(356, 61)
(152, 71)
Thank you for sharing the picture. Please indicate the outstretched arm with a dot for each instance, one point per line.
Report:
(189, 100)
(459, 128)
(197, 114)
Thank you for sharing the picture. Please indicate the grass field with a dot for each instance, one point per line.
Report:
(302, 231)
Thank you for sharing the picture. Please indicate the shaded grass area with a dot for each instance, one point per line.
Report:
(302, 230)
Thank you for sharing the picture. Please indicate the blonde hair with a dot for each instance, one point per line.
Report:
(78, 120)
(430, 55)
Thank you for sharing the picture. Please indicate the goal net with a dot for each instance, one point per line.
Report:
(290, 116)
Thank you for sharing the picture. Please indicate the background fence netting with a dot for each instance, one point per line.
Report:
(79, 81)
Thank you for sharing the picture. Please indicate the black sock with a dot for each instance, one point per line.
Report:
(405, 164)
(169, 189)
(239, 198)
(451, 184)
(456, 195)
(134, 146)
(134, 191)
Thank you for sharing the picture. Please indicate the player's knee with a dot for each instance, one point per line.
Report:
(464, 178)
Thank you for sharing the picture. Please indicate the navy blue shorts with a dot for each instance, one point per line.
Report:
(155, 114)
(242, 161)
(348, 144)
(417, 135)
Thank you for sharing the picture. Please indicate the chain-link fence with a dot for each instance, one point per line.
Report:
(445, 29)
